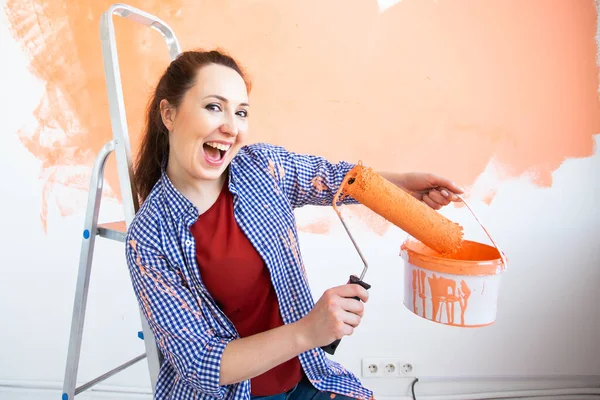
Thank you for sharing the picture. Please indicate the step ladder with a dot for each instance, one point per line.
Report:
(115, 230)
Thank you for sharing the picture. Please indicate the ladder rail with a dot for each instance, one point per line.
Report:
(115, 92)
(85, 267)
(120, 144)
(120, 130)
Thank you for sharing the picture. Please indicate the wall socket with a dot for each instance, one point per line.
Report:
(373, 367)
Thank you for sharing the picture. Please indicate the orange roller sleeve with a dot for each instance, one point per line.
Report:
(402, 209)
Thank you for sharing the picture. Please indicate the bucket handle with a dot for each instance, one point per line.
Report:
(502, 256)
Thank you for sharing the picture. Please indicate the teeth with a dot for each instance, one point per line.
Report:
(220, 146)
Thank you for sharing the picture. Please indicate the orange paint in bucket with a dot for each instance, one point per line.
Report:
(459, 289)
(473, 258)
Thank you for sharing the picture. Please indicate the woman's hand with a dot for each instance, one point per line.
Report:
(335, 315)
(433, 190)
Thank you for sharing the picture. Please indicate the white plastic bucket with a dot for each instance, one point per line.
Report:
(459, 290)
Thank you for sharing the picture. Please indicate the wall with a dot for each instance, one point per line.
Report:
(501, 96)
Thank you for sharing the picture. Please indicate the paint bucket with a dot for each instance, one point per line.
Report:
(458, 290)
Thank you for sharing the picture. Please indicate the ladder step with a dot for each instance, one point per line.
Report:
(113, 230)
(108, 374)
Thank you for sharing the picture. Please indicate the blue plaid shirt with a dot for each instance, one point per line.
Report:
(267, 183)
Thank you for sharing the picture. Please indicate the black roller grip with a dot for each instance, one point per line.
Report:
(330, 348)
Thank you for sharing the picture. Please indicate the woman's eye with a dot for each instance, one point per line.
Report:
(213, 107)
(242, 113)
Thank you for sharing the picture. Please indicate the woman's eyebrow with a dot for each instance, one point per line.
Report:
(225, 100)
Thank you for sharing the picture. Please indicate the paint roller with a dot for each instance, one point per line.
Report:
(400, 208)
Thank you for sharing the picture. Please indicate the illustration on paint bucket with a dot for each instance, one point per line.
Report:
(460, 289)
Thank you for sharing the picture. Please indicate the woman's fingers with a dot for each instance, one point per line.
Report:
(352, 305)
(439, 198)
(440, 181)
(352, 290)
(351, 319)
(427, 200)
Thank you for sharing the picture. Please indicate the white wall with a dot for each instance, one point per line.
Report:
(549, 311)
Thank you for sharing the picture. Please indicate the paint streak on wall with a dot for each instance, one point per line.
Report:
(598, 41)
(425, 85)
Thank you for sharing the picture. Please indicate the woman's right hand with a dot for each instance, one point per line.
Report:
(335, 315)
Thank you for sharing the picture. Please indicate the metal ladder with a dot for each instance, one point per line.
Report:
(115, 230)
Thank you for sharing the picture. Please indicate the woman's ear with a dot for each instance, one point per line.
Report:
(167, 113)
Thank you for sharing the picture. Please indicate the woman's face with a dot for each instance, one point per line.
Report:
(210, 125)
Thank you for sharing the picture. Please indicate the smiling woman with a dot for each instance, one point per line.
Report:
(193, 96)
(209, 127)
(213, 251)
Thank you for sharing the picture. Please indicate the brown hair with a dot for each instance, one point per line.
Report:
(177, 79)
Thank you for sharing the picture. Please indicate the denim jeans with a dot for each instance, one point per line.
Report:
(304, 390)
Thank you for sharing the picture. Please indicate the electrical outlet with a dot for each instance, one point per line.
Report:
(370, 368)
(373, 367)
(389, 369)
(406, 368)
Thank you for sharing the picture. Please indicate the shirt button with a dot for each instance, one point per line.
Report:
(188, 242)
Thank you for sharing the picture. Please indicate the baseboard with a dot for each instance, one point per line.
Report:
(23, 390)
(426, 388)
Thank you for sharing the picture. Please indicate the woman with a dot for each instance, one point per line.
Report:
(213, 251)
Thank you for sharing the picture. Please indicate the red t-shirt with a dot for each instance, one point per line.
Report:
(239, 281)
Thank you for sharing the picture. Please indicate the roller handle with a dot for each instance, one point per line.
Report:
(330, 348)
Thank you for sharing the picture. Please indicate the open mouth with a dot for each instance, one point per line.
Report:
(215, 152)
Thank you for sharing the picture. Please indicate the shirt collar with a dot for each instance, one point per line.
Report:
(177, 203)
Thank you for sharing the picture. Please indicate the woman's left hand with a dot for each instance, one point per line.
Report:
(433, 190)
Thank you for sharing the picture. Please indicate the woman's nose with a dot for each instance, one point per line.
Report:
(229, 126)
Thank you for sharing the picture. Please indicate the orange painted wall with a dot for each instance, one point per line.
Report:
(441, 86)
